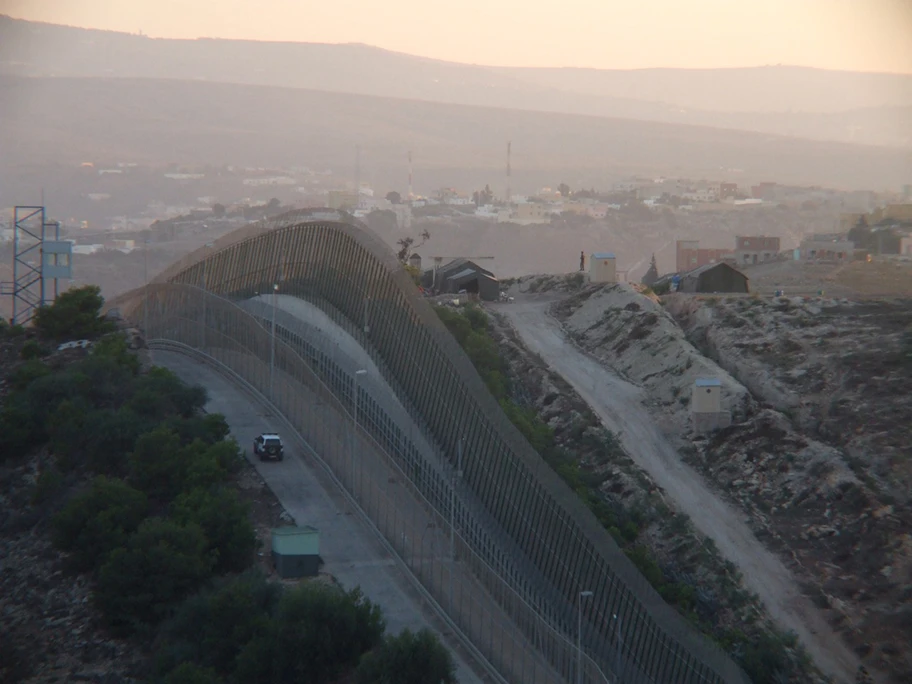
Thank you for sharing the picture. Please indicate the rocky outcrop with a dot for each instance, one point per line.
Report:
(634, 335)
(645, 519)
(794, 375)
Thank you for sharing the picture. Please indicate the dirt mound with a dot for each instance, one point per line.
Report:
(633, 334)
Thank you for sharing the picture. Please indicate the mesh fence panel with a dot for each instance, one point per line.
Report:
(524, 545)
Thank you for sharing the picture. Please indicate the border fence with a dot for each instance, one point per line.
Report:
(531, 577)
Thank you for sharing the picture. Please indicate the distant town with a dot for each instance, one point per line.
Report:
(231, 196)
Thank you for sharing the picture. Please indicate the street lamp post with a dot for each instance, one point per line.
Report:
(617, 639)
(358, 374)
(205, 297)
(579, 635)
(275, 290)
(146, 288)
(456, 476)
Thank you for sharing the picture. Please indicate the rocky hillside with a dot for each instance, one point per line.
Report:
(681, 563)
(811, 484)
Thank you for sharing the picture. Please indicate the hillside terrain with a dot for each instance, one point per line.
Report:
(780, 100)
(817, 453)
(153, 121)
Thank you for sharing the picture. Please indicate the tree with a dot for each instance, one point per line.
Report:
(98, 521)
(218, 210)
(393, 197)
(163, 563)
(861, 234)
(410, 658)
(114, 346)
(407, 245)
(187, 673)
(652, 273)
(158, 465)
(483, 197)
(212, 628)
(564, 190)
(160, 394)
(74, 315)
(320, 630)
(225, 520)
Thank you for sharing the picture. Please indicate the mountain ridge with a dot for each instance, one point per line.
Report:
(739, 97)
(71, 120)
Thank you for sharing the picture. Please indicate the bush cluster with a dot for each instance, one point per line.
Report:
(246, 629)
(158, 518)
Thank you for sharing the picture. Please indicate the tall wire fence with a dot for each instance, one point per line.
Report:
(388, 484)
(527, 541)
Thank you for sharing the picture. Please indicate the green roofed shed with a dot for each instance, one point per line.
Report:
(296, 551)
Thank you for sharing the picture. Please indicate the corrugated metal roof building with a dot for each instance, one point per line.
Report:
(463, 274)
(714, 278)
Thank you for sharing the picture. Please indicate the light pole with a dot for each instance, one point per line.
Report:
(275, 290)
(146, 288)
(358, 374)
(579, 635)
(205, 297)
(456, 476)
(617, 639)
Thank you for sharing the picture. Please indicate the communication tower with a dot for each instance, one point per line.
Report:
(39, 256)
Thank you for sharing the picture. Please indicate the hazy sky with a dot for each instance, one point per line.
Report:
(864, 35)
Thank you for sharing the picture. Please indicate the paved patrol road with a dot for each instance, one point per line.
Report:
(350, 549)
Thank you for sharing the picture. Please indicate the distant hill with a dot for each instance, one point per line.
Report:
(69, 120)
(795, 101)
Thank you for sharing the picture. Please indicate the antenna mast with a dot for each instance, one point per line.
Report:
(358, 176)
(509, 145)
(410, 195)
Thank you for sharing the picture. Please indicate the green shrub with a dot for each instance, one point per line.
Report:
(96, 522)
(226, 521)
(158, 465)
(13, 331)
(187, 673)
(210, 428)
(112, 436)
(20, 431)
(48, 485)
(163, 563)
(318, 632)
(28, 372)
(114, 346)
(212, 628)
(66, 431)
(160, 394)
(74, 315)
(33, 350)
(409, 658)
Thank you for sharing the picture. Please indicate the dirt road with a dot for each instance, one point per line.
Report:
(619, 405)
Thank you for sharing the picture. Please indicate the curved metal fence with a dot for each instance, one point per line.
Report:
(557, 572)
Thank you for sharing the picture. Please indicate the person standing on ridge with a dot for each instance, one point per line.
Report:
(582, 261)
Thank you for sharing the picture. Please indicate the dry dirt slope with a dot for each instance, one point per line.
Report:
(808, 495)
